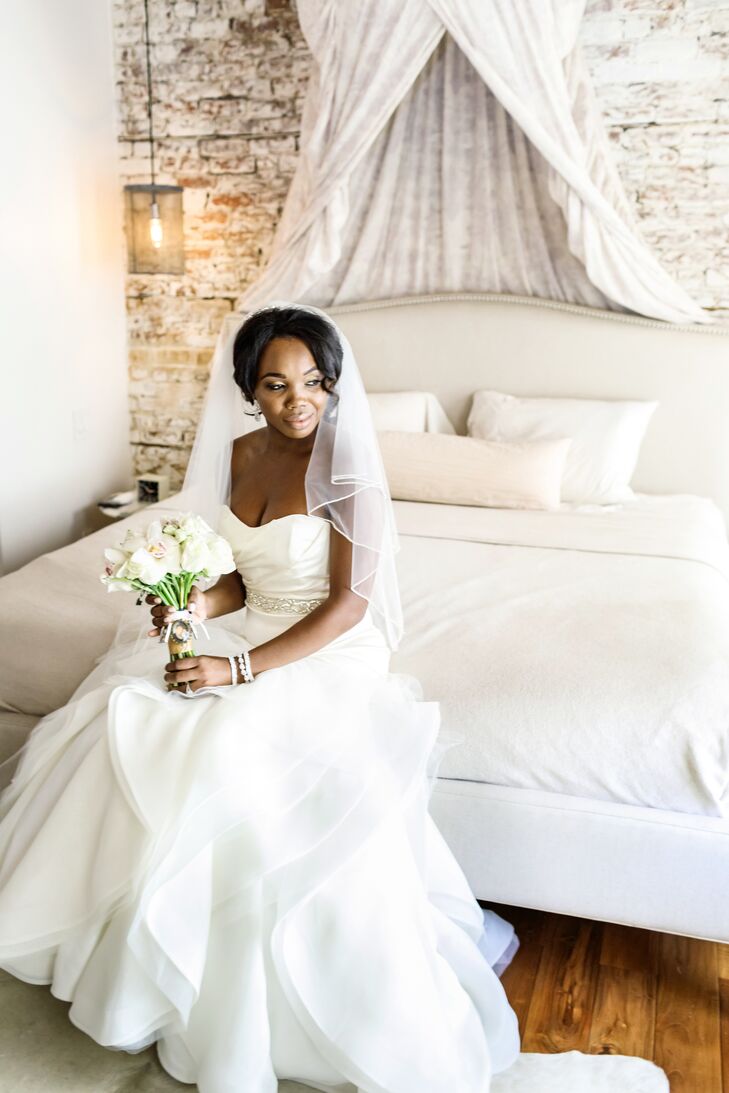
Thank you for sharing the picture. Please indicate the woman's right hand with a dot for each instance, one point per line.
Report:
(160, 610)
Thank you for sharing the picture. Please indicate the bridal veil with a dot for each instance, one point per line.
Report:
(345, 480)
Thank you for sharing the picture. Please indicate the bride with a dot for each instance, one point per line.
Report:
(244, 871)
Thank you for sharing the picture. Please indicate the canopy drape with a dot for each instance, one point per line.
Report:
(456, 145)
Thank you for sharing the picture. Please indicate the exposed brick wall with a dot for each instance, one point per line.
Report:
(661, 71)
(229, 79)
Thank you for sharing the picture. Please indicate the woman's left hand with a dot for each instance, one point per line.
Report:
(198, 672)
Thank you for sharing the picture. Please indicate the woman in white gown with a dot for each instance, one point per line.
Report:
(250, 879)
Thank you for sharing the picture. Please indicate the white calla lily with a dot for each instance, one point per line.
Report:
(221, 557)
(195, 555)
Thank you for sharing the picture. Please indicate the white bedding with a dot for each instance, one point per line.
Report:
(583, 651)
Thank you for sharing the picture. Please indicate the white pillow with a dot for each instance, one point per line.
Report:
(408, 412)
(606, 437)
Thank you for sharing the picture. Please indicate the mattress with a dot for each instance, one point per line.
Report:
(583, 651)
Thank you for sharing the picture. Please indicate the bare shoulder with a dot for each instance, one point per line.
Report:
(246, 449)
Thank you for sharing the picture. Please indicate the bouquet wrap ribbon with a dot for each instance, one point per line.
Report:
(185, 616)
(179, 632)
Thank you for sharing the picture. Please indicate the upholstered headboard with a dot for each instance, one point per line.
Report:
(452, 345)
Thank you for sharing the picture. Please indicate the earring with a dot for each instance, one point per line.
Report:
(257, 409)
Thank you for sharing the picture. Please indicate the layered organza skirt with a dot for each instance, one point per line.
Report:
(251, 879)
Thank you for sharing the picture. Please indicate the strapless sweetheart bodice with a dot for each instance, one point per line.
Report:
(284, 564)
(288, 556)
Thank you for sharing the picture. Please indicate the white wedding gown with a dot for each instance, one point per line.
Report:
(250, 878)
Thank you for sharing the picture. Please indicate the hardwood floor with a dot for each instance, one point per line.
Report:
(593, 986)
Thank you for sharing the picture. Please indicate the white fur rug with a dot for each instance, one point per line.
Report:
(575, 1072)
(41, 1051)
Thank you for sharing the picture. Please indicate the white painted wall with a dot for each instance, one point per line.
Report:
(64, 433)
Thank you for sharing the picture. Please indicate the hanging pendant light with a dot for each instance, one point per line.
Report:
(153, 213)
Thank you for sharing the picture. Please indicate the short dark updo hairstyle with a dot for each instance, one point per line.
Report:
(318, 335)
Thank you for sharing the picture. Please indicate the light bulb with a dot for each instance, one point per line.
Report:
(155, 225)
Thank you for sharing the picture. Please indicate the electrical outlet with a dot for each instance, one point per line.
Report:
(80, 423)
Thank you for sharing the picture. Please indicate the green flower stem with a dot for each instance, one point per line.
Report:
(173, 590)
(165, 593)
(154, 588)
(180, 579)
(171, 584)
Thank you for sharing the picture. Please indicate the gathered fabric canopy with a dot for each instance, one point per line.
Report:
(456, 145)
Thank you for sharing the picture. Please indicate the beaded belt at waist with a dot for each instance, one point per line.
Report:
(280, 605)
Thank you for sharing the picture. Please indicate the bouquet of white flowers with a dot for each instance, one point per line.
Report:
(166, 559)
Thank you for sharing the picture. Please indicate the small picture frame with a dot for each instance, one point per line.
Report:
(152, 488)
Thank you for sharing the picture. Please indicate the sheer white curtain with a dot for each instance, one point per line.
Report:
(456, 145)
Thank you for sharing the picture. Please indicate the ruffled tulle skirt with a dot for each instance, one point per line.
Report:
(251, 878)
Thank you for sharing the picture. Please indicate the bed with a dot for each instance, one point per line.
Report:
(580, 656)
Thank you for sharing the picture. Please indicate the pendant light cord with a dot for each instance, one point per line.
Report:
(149, 88)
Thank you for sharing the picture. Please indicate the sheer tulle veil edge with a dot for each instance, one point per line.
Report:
(345, 484)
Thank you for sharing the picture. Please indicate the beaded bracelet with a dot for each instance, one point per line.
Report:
(243, 662)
